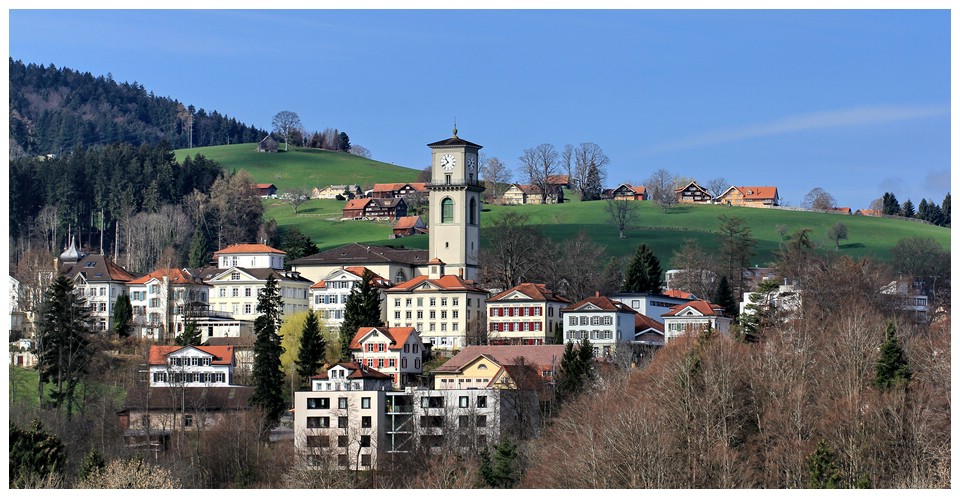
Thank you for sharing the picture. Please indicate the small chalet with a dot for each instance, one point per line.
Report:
(332, 191)
(375, 209)
(393, 190)
(394, 351)
(693, 194)
(266, 190)
(268, 144)
(750, 197)
(869, 212)
(627, 192)
(409, 225)
(562, 181)
(531, 194)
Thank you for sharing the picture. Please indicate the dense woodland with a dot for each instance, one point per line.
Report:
(55, 110)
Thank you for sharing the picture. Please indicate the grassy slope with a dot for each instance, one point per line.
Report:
(665, 232)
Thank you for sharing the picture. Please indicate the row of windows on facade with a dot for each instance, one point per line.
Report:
(249, 307)
(687, 326)
(590, 320)
(248, 292)
(432, 302)
(228, 261)
(380, 363)
(432, 327)
(381, 347)
(330, 298)
(593, 335)
(188, 378)
(178, 295)
(518, 311)
(432, 314)
(324, 403)
(516, 327)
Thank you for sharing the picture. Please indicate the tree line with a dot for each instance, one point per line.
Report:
(929, 211)
(55, 110)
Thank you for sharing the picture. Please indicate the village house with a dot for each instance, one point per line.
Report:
(652, 305)
(375, 209)
(766, 196)
(692, 193)
(439, 306)
(268, 144)
(490, 366)
(393, 351)
(332, 191)
(627, 192)
(689, 319)
(609, 325)
(328, 297)
(530, 194)
(96, 279)
(191, 366)
(161, 300)
(266, 190)
(241, 273)
(527, 313)
(394, 190)
(560, 181)
(407, 226)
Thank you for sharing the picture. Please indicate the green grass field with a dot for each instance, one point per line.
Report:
(664, 232)
(302, 167)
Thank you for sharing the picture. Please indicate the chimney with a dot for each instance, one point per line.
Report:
(461, 273)
(598, 293)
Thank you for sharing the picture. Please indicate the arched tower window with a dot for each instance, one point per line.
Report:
(400, 277)
(446, 211)
(473, 211)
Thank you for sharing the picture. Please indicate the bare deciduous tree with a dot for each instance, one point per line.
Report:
(662, 188)
(496, 174)
(819, 200)
(717, 186)
(295, 197)
(585, 155)
(285, 124)
(538, 164)
(622, 213)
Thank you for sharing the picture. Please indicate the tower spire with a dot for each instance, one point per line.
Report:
(454, 127)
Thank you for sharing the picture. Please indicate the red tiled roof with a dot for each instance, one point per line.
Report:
(176, 276)
(446, 282)
(222, 355)
(542, 355)
(758, 193)
(870, 212)
(319, 285)
(387, 187)
(558, 179)
(358, 371)
(406, 222)
(116, 272)
(264, 185)
(705, 308)
(356, 203)
(248, 248)
(639, 190)
(536, 292)
(679, 294)
(398, 336)
(644, 322)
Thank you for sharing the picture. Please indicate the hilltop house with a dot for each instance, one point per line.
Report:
(407, 226)
(627, 192)
(268, 144)
(266, 190)
(531, 194)
(692, 193)
(369, 208)
(750, 196)
(332, 191)
(694, 317)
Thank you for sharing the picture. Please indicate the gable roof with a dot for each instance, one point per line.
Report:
(558, 179)
(407, 222)
(175, 275)
(222, 355)
(363, 254)
(679, 294)
(357, 371)
(446, 282)
(357, 203)
(598, 303)
(542, 355)
(397, 335)
(248, 249)
(643, 322)
(264, 185)
(98, 268)
(758, 193)
(694, 184)
(705, 308)
(376, 279)
(535, 292)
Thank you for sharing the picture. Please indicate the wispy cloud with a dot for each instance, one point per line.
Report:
(804, 122)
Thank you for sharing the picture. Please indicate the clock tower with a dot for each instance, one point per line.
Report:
(455, 206)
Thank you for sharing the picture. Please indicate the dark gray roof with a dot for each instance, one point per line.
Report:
(357, 254)
(97, 268)
(194, 398)
(454, 141)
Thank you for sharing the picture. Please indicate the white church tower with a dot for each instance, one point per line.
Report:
(455, 190)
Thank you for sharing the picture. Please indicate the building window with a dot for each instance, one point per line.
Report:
(464, 421)
(481, 401)
(342, 441)
(342, 460)
(365, 403)
(234, 276)
(318, 422)
(366, 422)
(247, 309)
(446, 210)
(481, 420)
(473, 211)
(365, 460)
(236, 292)
(342, 422)
(318, 441)
(464, 402)
(364, 441)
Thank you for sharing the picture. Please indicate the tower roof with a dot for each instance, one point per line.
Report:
(454, 141)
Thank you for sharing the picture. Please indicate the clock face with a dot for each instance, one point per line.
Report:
(447, 162)
(471, 162)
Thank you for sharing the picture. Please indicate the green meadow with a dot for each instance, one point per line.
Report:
(665, 232)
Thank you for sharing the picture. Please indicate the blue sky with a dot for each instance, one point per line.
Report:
(856, 102)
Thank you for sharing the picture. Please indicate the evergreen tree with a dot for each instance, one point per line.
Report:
(63, 342)
(122, 316)
(92, 462)
(361, 310)
(923, 210)
(724, 297)
(575, 372)
(822, 468)
(34, 454)
(890, 204)
(312, 351)
(644, 272)
(906, 210)
(297, 245)
(191, 336)
(343, 142)
(267, 377)
(557, 333)
(199, 249)
(503, 472)
(893, 368)
(591, 189)
(585, 356)
(945, 209)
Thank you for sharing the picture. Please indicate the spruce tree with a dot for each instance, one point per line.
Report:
(361, 310)
(191, 335)
(267, 377)
(122, 316)
(945, 210)
(890, 204)
(34, 454)
(822, 469)
(906, 209)
(63, 342)
(644, 272)
(199, 249)
(724, 297)
(893, 368)
(569, 373)
(312, 350)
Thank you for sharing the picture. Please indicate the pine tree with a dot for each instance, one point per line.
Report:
(63, 342)
(945, 209)
(907, 210)
(267, 377)
(122, 316)
(199, 249)
(313, 348)
(569, 373)
(34, 454)
(191, 335)
(822, 468)
(644, 272)
(893, 368)
(557, 333)
(890, 204)
(361, 310)
(723, 296)
(592, 188)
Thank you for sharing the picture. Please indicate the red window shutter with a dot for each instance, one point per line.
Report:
(492, 312)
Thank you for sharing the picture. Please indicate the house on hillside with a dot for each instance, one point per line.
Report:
(561, 181)
(328, 297)
(409, 225)
(370, 208)
(268, 144)
(96, 279)
(394, 351)
(609, 325)
(750, 197)
(531, 194)
(627, 192)
(692, 193)
(332, 191)
(266, 190)
(689, 319)
(527, 313)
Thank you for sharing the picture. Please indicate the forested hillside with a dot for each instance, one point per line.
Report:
(54, 110)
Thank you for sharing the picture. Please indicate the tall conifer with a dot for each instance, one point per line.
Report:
(267, 377)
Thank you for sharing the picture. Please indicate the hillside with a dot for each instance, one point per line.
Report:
(302, 167)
